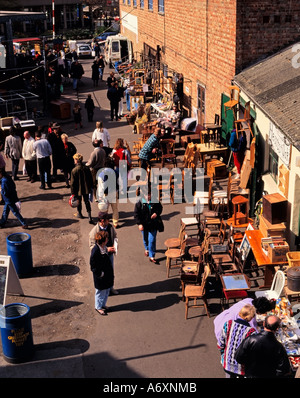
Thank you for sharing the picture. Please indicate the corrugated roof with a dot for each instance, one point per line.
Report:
(274, 86)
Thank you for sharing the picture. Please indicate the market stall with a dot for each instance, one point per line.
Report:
(289, 332)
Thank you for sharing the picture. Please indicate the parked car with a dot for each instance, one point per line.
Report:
(105, 35)
(84, 50)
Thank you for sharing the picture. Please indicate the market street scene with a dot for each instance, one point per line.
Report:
(149, 214)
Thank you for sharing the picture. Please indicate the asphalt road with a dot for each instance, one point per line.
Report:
(145, 335)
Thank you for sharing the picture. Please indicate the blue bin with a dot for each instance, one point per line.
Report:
(19, 249)
(16, 333)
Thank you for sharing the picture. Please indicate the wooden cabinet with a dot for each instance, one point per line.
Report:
(275, 208)
(284, 180)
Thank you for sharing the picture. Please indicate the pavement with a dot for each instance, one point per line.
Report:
(145, 335)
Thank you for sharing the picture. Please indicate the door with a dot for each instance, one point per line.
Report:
(201, 104)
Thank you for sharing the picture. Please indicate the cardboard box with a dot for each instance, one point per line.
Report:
(278, 253)
(268, 229)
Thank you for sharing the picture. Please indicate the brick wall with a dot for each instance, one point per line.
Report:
(264, 27)
(210, 40)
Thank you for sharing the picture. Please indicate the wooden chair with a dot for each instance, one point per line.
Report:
(191, 272)
(195, 293)
(175, 254)
(172, 243)
(167, 147)
(234, 100)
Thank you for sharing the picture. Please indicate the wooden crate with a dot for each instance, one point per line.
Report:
(275, 208)
(268, 229)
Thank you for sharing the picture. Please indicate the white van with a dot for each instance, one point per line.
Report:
(117, 48)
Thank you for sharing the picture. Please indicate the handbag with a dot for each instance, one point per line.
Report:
(160, 224)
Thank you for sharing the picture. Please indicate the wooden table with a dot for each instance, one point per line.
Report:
(212, 150)
(254, 238)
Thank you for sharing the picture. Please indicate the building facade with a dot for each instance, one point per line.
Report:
(208, 41)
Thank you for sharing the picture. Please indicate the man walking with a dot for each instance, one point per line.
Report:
(81, 185)
(76, 73)
(29, 157)
(89, 106)
(13, 150)
(262, 354)
(113, 97)
(103, 224)
(96, 161)
(43, 152)
(10, 198)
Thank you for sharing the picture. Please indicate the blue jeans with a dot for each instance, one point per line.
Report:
(75, 83)
(149, 240)
(13, 208)
(101, 297)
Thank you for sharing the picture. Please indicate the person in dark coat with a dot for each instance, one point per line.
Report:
(81, 185)
(262, 354)
(147, 215)
(10, 198)
(89, 106)
(114, 98)
(58, 151)
(101, 65)
(76, 73)
(103, 273)
(95, 73)
(70, 151)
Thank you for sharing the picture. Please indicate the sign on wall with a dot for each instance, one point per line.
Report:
(280, 144)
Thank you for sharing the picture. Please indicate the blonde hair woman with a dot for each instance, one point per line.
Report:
(101, 133)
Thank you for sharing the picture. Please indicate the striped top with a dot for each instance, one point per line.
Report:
(233, 333)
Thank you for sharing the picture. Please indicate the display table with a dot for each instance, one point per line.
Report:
(254, 239)
(288, 334)
(213, 149)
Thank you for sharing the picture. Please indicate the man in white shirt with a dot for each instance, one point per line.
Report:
(29, 157)
(43, 152)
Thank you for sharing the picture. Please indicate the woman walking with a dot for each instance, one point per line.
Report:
(103, 273)
(147, 215)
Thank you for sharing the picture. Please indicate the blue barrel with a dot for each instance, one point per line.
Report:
(16, 333)
(19, 249)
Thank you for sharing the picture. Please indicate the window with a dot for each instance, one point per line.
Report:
(150, 5)
(266, 19)
(134, 3)
(276, 18)
(161, 6)
(273, 164)
(129, 2)
(142, 3)
(288, 18)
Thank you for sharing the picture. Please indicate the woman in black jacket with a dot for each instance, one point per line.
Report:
(103, 273)
(147, 216)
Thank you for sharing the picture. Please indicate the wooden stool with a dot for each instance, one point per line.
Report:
(238, 216)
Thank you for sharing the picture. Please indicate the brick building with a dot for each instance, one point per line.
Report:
(209, 41)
